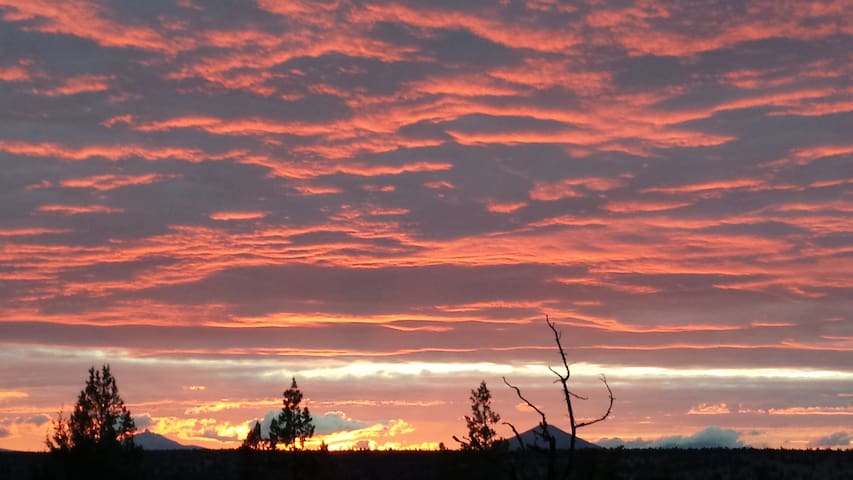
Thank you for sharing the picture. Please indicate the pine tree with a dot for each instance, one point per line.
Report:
(293, 425)
(481, 435)
(96, 440)
(253, 439)
(100, 422)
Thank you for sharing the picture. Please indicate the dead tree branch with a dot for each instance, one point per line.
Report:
(568, 395)
(518, 438)
(529, 404)
(609, 406)
(545, 434)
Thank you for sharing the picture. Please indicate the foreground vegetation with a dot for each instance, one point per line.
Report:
(710, 464)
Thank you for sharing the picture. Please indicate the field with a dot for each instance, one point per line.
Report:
(716, 464)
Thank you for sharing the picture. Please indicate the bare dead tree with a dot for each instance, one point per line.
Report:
(568, 395)
(542, 432)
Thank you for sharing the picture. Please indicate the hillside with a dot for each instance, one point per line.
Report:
(149, 440)
(531, 438)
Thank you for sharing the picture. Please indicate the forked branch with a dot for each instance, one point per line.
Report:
(520, 396)
(543, 423)
(542, 432)
(609, 406)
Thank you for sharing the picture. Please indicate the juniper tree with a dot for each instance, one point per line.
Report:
(481, 435)
(294, 424)
(253, 440)
(99, 422)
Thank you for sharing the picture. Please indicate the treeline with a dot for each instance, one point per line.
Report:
(592, 464)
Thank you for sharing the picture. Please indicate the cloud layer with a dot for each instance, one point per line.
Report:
(837, 440)
(711, 437)
(386, 197)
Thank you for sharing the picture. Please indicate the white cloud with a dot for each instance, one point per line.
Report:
(837, 439)
(329, 422)
(142, 421)
(711, 437)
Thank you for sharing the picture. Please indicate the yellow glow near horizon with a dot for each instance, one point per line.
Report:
(12, 394)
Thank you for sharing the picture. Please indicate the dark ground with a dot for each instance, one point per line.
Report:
(711, 464)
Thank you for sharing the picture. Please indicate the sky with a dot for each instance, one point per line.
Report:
(385, 199)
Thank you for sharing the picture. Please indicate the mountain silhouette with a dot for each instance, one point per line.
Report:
(563, 439)
(149, 440)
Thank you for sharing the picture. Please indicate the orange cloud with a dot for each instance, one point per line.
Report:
(515, 34)
(86, 20)
(208, 432)
(242, 126)
(379, 436)
(26, 232)
(12, 395)
(643, 206)
(306, 189)
(504, 207)
(379, 188)
(565, 188)
(112, 182)
(115, 152)
(462, 85)
(307, 170)
(804, 156)
(78, 209)
(75, 85)
(439, 184)
(542, 73)
(16, 73)
(709, 409)
(225, 216)
(631, 29)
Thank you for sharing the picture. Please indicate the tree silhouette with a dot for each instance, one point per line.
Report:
(253, 439)
(481, 435)
(96, 440)
(293, 425)
(100, 422)
(543, 432)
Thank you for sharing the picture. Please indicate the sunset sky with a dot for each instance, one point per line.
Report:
(385, 199)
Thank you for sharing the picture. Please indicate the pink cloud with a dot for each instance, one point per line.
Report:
(78, 209)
